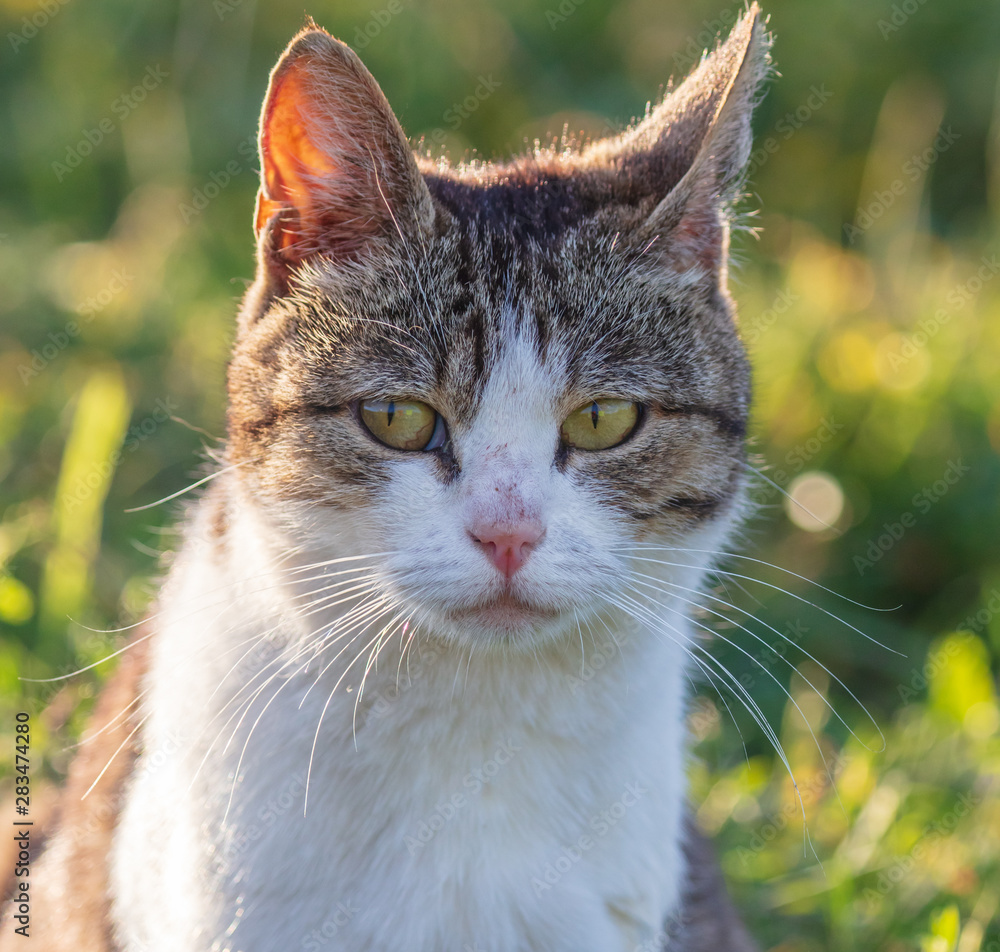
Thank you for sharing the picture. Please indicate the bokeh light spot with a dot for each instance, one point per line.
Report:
(17, 604)
(814, 502)
(847, 362)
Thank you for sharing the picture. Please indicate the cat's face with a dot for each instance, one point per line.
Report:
(505, 379)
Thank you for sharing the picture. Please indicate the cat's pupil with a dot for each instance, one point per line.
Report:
(595, 413)
(390, 412)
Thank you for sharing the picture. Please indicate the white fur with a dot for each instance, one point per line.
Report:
(446, 807)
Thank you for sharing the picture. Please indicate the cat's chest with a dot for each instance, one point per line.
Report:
(495, 836)
(460, 809)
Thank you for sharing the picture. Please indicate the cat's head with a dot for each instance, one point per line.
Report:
(504, 376)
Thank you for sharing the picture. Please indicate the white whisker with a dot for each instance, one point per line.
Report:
(194, 485)
(647, 580)
(770, 585)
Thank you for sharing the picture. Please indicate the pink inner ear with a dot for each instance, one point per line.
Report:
(697, 239)
(336, 170)
(293, 165)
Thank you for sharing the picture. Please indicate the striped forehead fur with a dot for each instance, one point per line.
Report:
(437, 331)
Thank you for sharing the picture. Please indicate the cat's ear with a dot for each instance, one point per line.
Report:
(337, 175)
(690, 151)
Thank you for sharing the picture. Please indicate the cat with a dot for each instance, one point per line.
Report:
(417, 677)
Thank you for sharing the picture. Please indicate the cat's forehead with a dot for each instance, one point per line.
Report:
(516, 397)
(529, 199)
(575, 317)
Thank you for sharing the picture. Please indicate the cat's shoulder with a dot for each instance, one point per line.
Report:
(707, 920)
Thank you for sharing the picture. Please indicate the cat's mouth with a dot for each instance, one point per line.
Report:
(505, 611)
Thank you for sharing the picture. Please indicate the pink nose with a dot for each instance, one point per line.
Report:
(508, 550)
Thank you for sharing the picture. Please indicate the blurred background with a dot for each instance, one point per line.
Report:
(869, 300)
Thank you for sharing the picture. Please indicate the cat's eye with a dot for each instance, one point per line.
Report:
(404, 424)
(600, 424)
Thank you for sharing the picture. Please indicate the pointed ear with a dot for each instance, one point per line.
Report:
(338, 178)
(689, 153)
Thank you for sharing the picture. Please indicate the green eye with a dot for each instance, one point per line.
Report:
(600, 424)
(403, 424)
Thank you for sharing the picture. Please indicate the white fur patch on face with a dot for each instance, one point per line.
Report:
(512, 549)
